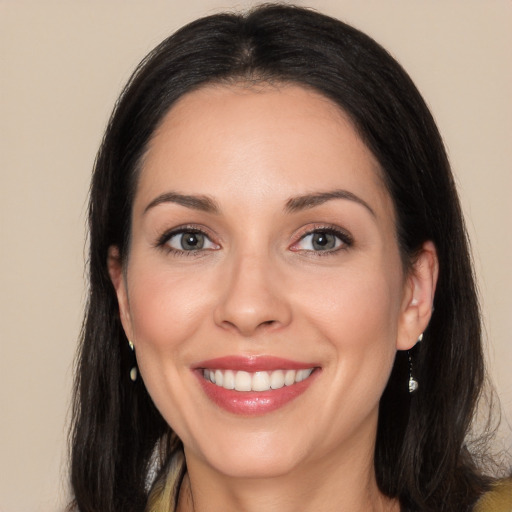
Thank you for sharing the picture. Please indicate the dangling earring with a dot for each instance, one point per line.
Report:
(413, 383)
(133, 371)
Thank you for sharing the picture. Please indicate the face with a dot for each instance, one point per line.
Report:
(264, 258)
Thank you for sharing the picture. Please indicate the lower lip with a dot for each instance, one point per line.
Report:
(253, 403)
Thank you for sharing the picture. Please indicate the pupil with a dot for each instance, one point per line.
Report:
(192, 241)
(323, 241)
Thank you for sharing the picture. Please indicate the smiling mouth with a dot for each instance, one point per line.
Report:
(255, 381)
(254, 385)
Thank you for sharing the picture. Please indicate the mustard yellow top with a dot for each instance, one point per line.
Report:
(498, 499)
(165, 490)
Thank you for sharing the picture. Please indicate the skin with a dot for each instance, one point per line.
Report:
(260, 288)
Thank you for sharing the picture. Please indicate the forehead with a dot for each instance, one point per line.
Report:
(267, 141)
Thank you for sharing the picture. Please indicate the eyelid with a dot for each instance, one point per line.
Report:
(163, 240)
(343, 235)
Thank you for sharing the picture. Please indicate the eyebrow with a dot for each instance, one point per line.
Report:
(307, 201)
(195, 202)
(294, 204)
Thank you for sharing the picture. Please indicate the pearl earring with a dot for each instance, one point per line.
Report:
(133, 371)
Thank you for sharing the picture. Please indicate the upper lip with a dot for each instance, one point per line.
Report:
(253, 363)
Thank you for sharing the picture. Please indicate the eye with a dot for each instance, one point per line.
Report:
(323, 240)
(187, 240)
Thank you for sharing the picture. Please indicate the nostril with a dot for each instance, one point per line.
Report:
(249, 328)
(247, 308)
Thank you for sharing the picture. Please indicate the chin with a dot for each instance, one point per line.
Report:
(255, 467)
(256, 456)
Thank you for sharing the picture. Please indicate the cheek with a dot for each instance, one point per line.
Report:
(165, 307)
(167, 310)
(357, 315)
(357, 318)
(355, 303)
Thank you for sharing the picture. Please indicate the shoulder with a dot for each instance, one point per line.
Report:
(497, 499)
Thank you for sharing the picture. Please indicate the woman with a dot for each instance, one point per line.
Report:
(273, 220)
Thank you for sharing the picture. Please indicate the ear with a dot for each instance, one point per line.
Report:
(115, 270)
(418, 299)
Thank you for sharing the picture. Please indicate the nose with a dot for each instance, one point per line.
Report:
(253, 297)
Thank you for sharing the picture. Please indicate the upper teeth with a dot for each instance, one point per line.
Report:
(257, 381)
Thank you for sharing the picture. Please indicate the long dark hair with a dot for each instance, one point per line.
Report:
(420, 456)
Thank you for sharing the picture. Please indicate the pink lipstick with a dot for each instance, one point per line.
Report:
(254, 385)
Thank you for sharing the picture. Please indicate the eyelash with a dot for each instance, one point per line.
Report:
(163, 241)
(343, 236)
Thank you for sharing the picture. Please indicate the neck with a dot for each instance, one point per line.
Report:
(335, 484)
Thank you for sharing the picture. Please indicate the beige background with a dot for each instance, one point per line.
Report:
(62, 66)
